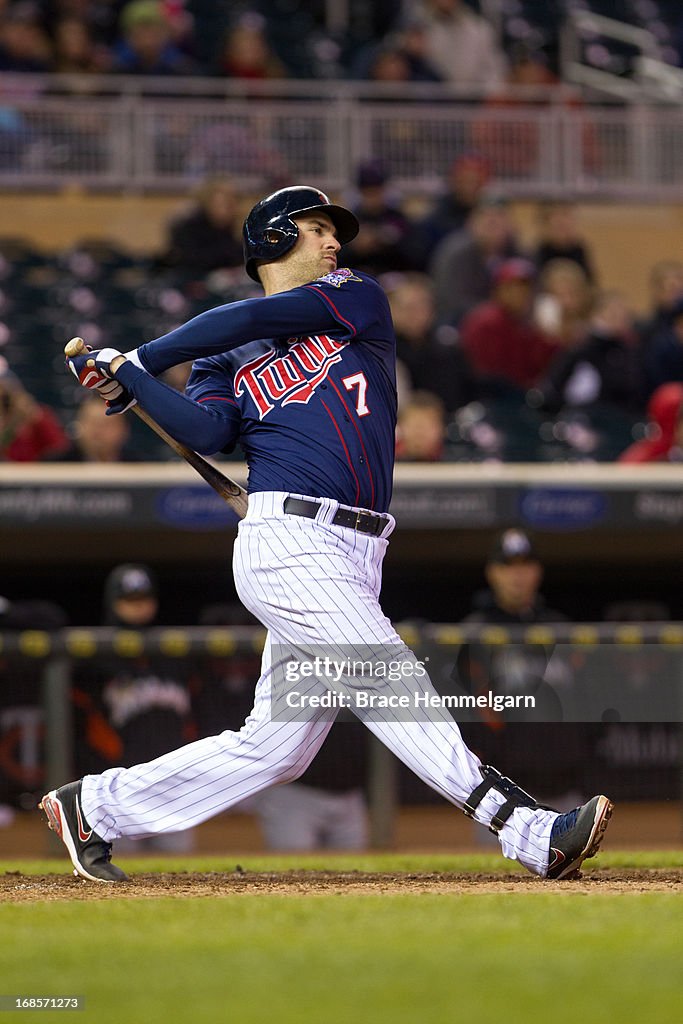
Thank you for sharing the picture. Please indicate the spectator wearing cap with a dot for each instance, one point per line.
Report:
(462, 265)
(381, 244)
(664, 440)
(664, 354)
(465, 181)
(135, 708)
(514, 574)
(145, 45)
(506, 351)
(29, 431)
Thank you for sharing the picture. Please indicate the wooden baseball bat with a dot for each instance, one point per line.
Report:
(231, 492)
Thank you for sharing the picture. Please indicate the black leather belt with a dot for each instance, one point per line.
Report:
(364, 522)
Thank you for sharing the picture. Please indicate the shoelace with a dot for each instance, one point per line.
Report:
(566, 821)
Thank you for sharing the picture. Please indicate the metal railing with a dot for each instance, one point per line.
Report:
(649, 77)
(547, 143)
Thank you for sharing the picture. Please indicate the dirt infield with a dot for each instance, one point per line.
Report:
(16, 887)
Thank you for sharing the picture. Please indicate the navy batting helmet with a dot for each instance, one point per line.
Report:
(269, 230)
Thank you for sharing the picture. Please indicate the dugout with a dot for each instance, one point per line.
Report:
(604, 533)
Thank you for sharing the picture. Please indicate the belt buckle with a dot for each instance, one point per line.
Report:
(358, 517)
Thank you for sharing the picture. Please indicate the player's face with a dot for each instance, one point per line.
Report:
(315, 252)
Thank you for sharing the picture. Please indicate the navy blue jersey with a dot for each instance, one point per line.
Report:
(313, 405)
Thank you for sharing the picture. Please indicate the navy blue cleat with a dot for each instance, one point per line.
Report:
(90, 854)
(576, 836)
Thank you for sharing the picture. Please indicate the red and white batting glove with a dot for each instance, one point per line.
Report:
(92, 370)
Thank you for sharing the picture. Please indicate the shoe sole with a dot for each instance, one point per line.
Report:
(602, 817)
(53, 809)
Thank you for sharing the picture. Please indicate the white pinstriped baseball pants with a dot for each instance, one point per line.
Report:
(312, 585)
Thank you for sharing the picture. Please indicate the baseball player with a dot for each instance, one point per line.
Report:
(305, 377)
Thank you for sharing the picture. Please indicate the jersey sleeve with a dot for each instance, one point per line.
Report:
(212, 388)
(342, 303)
(208, 426)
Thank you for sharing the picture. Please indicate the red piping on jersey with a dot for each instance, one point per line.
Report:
(365, 454)
(346, 450)
(341, 319)
(216, 398)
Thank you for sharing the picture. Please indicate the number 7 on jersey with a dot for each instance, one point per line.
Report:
(358, 380)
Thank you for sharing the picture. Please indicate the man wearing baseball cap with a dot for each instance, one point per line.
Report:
(514, 573)
(505, 350)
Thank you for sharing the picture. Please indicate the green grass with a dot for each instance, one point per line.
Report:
(549, 956)
(424, 862)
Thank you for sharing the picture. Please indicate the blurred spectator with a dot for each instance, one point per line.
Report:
(506, 351)
(421, 429)
(664, 441)
(101, 16)
(208, 237)
(145, 45)
(666, 289)
(606, 368)
(29, 431)
(382, 241)
(563, 303)
(144, 700)
(24, 46)
(96, 436)
(75, 49)
(429, 353)
(401, 57)
(390, 64)
(664, 354)
(246, 52)
(463, 264)
(460, 44)
(413, 43)
(467, 177)
(559, 238)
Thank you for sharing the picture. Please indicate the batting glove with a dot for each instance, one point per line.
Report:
(92, 371)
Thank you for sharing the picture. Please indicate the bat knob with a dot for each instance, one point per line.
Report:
(75, 347)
